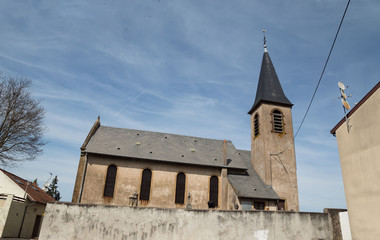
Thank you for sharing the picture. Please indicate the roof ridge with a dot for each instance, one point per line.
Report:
(171, 134)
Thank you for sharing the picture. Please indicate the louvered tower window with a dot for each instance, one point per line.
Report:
(109, 187)
(256, 125)
(180, 188)
(278, 122)
(214, 189)
(145, 184)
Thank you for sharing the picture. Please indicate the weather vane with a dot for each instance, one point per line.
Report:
(265, 38)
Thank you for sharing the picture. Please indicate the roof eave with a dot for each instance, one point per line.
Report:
(165, 161)
(353, 110)
(255, 197)
(257, 105)
(95, 127)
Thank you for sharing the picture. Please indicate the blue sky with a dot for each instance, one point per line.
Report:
(191, 68)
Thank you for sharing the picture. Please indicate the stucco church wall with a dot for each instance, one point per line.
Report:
(163, 183)
(79, 221)
(278, 171)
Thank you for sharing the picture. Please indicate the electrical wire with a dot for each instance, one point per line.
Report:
(321, 76)
(324, 68)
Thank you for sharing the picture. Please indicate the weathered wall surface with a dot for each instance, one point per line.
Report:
(72, 221)
(359, 156)
(32, 211)
(162, 194)
(11, 214)
(280, 172)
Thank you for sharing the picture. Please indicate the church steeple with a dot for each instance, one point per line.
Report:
(269, 87)
(272, 144)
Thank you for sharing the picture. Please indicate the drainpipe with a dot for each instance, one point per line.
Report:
(25, 210)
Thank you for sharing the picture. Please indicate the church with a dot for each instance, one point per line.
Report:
(128, 167)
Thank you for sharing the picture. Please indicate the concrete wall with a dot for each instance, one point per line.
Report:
(279, 171)
(359, 151)
(5, 204)
(11, 214)
(32, 211)
(72, 221)
(128, 180)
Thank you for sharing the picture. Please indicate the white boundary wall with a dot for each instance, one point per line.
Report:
(78, 221)
(345, 226)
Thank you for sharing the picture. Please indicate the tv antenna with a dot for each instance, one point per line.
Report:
(343, 97)
(47, 183)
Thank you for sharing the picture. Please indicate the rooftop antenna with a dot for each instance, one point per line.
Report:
(343, 97)
(265, 40)
(47, 183)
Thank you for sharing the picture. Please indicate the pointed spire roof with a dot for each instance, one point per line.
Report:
(269, 87)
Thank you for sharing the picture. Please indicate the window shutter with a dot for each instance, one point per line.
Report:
(180, 188)
(214, 189)
(145, 184)
(109, 187)
(278, 122)
(256, 125)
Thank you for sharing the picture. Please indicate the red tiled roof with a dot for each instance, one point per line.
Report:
(34, 192)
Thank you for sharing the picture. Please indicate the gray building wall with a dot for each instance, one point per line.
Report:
(80, 221)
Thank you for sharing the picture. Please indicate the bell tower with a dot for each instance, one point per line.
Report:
(272, 143)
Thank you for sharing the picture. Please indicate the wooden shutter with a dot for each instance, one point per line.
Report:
(180, 188)
(109, 187)
(145, 184)
(214, 189)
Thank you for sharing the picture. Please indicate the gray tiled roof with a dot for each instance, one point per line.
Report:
(251, 185)
(163, 147)
(269, 87)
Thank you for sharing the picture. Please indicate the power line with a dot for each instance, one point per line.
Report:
(324, 68)
(320, 78)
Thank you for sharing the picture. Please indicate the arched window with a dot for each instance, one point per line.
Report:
(145, 184)
(214, 189)
(180, 188)
(256, 125)
(278, 122)
(109, 187)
